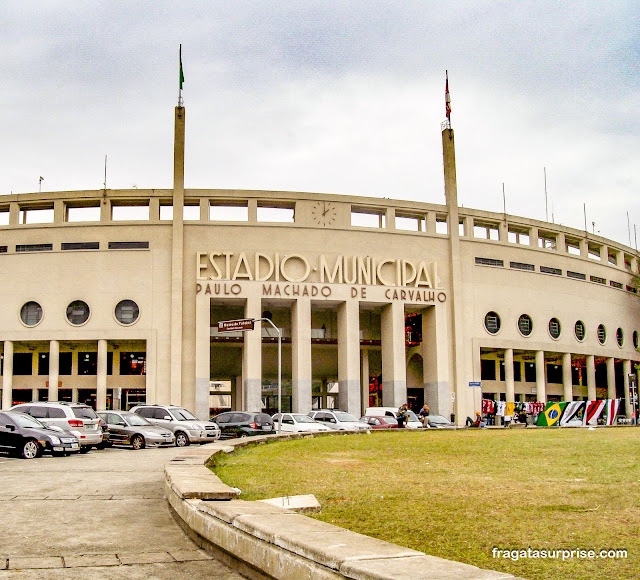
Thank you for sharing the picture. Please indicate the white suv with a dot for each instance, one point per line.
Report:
(338, 420)
(186, 427)
(75, 418)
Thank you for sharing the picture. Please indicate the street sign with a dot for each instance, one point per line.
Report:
(475, 384)
(234, 325)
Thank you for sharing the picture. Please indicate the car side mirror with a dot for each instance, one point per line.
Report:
(11, 427)
(121, 424)
(332, 420)
(167, 418)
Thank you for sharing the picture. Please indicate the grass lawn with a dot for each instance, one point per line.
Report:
(459, 494)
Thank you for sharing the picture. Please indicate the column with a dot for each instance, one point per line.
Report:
(364, 381)
(626, 371)
(349, 356)
(611, 378)
(35, 394)
(252, 359)
(7, 375)
(301, 369)
(435, 360)
(541, 383)
(566, 377)
(101, 384)
(203, 356)
(394, 370)
(54, 369)
(74, 395)
(508, 375)
(591, 377)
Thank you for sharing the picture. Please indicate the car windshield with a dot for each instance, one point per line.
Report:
(84, 412)
(27, 421)
(342, 416)
(136, 420)
(302, 419)
(184, 415)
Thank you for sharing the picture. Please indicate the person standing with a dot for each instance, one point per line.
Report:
(403, 414)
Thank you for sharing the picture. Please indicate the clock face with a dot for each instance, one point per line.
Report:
(324, 213)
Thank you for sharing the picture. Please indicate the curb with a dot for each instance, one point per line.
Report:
(266, 541)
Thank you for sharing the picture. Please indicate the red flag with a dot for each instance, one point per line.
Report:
(447, 98)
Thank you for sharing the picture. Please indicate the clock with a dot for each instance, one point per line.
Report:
(324, 213)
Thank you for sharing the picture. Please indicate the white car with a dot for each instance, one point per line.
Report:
(338, 420)
(298, 423)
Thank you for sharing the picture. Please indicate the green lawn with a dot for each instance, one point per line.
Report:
(459, 494)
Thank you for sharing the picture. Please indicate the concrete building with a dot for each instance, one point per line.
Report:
(113, 297)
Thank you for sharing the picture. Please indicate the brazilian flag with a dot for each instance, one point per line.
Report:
(551, 414)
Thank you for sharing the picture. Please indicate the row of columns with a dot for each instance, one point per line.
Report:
(351, 390)
(353, 371)
(567, 383)
(54, 373)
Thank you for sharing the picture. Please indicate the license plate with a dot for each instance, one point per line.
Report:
(74, 446)
(266, 427)
(58, 448)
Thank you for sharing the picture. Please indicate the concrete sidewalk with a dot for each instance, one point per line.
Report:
(101, 515)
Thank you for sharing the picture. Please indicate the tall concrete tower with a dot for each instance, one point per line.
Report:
(457, 356)
(177, 252)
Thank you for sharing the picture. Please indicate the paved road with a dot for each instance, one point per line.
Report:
(100, 515)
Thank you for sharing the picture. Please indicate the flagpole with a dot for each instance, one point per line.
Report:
(180, 79)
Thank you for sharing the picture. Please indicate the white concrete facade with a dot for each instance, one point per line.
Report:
(338, 274)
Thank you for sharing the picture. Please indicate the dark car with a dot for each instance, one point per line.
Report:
(243, 424)
(27, 437)
(127, 428)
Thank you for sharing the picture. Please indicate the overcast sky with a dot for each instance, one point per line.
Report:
(340, 97)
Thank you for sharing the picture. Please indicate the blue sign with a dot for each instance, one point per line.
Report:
(475, 384)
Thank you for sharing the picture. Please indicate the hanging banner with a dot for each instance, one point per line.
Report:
(551, 415)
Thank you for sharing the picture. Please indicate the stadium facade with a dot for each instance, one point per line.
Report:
(113, 297)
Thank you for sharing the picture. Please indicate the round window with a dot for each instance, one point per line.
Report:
(127, 312)
(492, 322)
(602, 334)
(635, 339)
(620, 337)
(525, 324)
(31, 313)
(580, 330)
(554, 328)
(78, 312)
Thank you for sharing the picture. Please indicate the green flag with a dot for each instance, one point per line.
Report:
(181, 72)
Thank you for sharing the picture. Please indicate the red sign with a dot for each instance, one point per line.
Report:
(234, 325)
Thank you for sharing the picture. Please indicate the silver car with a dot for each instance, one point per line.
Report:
(185, 426)
(75, 418)
(127, 428)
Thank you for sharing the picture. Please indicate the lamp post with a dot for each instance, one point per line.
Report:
(279, 369)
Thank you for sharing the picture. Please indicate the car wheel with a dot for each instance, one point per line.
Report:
(85, 448)
(181, 439)
(137, 442)
(31, 449)
(243, 435)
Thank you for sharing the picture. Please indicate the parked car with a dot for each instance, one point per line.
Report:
(297, 423)
(184, 425)
(243, 423)
(440, 422)
(22, 434)
(127, 428)
(76, 418)
(338, 420)
(380, 422)
(412, 421)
